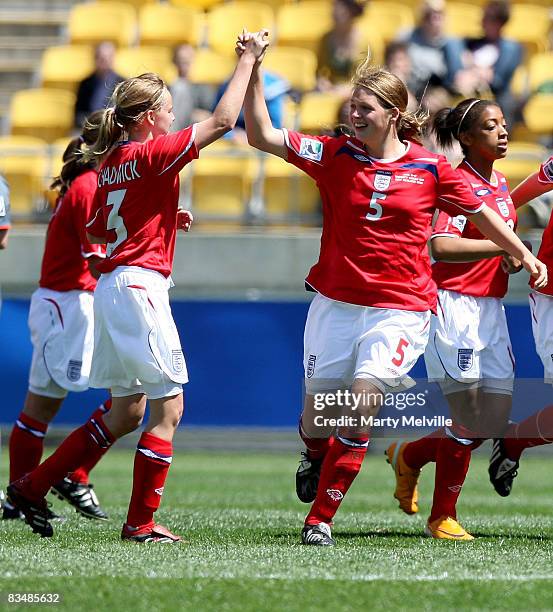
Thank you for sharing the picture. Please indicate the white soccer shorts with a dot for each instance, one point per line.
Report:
(343, 342)
(541, 309)
(469, 345)
(136, 344)
(62, 334)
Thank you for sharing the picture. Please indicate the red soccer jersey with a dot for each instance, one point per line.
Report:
(135, 207)
(377, 217)
(483, 278)
(545, 253)
(64, 265)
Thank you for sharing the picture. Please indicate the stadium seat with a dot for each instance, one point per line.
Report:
(163, 24)
(463, 19)
(287, 191)
(540, 70)
(302, 24)
(210, 67)
(199, 4)
(134, 3)
(538, 114)
(519, 83)
(48, 113)
(95, 22)
(523, 158)
(318, 111)
(65, 66)
(225, 21)
(297, 65)
(133, 61)
(221, 181)
(529, 24)
(387, 19)
(24, 163)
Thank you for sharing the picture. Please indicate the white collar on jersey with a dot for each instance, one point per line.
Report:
(494, 182)
(407, 145)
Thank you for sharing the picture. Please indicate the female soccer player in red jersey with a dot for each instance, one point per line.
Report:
(469, 352)
(537, 429)
(137, 351)
(369, 321)
(61, 321)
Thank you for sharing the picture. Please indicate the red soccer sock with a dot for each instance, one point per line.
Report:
(80, 475)
(536, 430)
(452, 465)
(420, 452)
(91, 440)
(151, 464)
(26, 445)
(340, 467)
(316, 447)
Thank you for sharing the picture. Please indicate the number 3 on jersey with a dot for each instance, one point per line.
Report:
(115, 221)
(375, 208)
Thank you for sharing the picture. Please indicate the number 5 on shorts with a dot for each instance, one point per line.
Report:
(400, 352)
(115, 221)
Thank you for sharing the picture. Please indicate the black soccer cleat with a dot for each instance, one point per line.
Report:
(502, 470)
(317, 535)
(82, 497)
(36, 513)
(307, 478)
(10, 512)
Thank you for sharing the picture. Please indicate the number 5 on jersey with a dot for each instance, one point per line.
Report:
(375, 208)
(115, 221)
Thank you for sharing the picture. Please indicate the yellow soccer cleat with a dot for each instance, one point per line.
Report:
(446, 528)
(406, 478)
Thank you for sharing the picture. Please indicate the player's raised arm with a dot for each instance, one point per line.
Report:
(535, 185)
(226, 112)
(259, 127)
(489, 223)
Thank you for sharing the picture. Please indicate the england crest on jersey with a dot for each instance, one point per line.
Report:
(74, 370)
(382, 180)
(311, 149)
(465, 358)
(502, 206)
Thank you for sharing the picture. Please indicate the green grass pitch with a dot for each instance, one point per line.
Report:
(241, 520)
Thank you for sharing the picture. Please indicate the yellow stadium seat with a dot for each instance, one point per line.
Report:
(519, 83)
(221, 181)
(387, 19)
(302, 24)
(529, 25)
(65, 66)
(134, 3)
(319, 111)
(24, 163)
(210, 67)
(540, 69)
(225, 21)
(133, 61)
(287, 191)
(463, 19)
(163, 24)
(199, 4)
(95, 22)
(297, 65)
(538, 114)
(46, 112)
(523, 159)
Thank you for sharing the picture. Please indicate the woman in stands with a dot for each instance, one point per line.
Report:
(537, 429)
(369, 321)
(469, 352)
(61, 321)
(137, 351)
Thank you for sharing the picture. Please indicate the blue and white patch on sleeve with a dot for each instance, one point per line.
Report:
(548, 170)
(311, 149)
(3, 209)
(459, 222)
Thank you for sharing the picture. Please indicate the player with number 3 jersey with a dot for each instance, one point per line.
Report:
(137, 351)
(369, 320)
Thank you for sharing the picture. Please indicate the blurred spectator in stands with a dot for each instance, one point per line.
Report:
(4, 213)
(275, 88)
(492, 59)
(435, 57)
(398, 62)
(95, 90)
(341, 49)
(192, 102)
